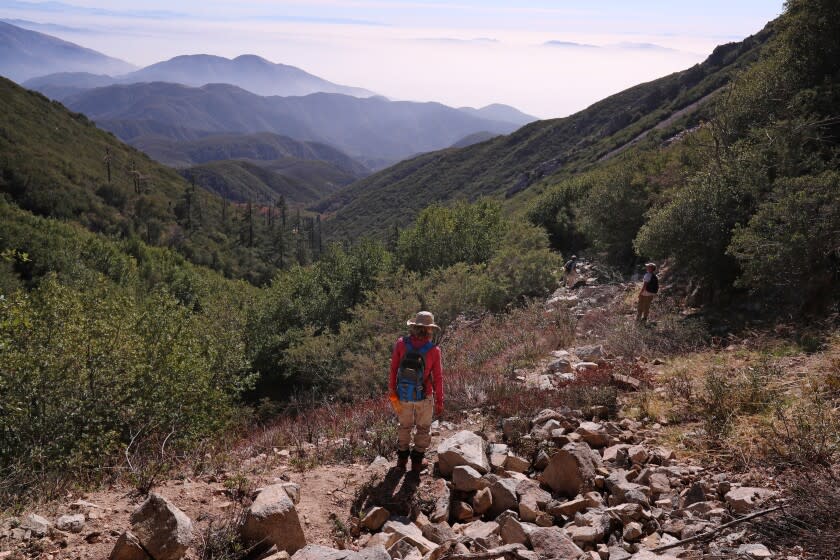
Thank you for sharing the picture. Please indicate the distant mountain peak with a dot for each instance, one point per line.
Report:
(26, 54)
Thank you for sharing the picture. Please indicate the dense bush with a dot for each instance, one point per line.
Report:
(791, 245)
(86, 370)
(443, 236)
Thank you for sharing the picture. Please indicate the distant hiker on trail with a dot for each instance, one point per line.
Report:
(416, 388)
(570, 268)
(650, 287)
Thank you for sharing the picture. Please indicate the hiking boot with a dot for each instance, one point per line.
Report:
(402, 459)
(417, 461)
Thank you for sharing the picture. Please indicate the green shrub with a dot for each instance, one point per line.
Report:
(790, 248)
(443, 236)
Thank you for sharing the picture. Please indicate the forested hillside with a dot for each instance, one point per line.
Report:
(749, 199)
(57, 164)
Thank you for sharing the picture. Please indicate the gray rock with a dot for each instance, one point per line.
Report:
(464, 448)
(71, 523)
(318, 552)
(541, 461)
(164, 530)
(480, 529)
(571, 469)
(553, 543)
(744, 499)
(756, 551)
(439, 492)
(273, 520)
(293, 490)
(128, 547)
(37, 525)
(504, 496)
(590, 353)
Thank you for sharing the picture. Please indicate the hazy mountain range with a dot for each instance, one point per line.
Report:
(373, 130)
(25, 54)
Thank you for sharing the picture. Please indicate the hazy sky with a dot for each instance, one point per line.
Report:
(547, 58)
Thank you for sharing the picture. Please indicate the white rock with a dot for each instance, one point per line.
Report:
(464, 448)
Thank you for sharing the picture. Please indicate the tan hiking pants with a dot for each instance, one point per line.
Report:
(643, 307)
(417, 414)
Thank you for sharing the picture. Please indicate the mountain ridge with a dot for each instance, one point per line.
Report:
(26, 54)
(365, 129)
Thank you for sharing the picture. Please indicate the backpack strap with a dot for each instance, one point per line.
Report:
(423, 350)
(407, 342)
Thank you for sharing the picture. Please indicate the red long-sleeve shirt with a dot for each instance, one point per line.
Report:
(433, 374)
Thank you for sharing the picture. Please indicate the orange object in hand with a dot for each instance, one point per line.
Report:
(395, 403)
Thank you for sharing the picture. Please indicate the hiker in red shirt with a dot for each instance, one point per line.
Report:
(416, 388)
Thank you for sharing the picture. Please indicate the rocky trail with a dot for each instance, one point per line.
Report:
(561, 484)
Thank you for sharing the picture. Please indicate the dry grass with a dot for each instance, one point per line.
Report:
(480, 357)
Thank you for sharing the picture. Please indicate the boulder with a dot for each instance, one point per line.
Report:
(632, 532)
(438, 533)
(504, 496)
(480, 529)
(659, 484)
(532, 499)
(39, 526)
(482, 501)
(128, 547)
(589, 528)
(404, 529)
(516, 464)
(404, 550)
(164, 530)
(293, 490)
(462, 511)
(571, 469)
(375, 518)
(464, 448)
(552, 543)
(638, 455)
(273, 520)
(439, 492)
(467, 479)
(754, 551)
(568, 508)
(590, 353)
(512, 531)
(743, 499)
(318, 552)
(594, 434)
(71, 523)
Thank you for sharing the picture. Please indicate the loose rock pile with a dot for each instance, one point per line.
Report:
(593, 489)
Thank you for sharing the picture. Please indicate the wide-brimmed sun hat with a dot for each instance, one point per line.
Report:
(423, 319)
(651, 264)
